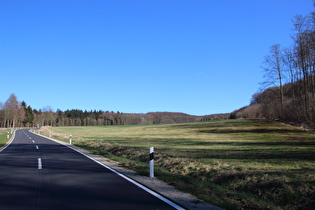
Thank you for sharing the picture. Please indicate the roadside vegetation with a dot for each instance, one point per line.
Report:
(235, 164)
(4, 136)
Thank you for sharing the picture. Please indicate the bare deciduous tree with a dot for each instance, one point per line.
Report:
(11, 111)
(273, 68)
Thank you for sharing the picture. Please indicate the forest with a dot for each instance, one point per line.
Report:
(18, 114)
(288, 91)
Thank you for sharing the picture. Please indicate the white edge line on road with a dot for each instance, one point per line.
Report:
(40, 163)
(132, 181)
(169, 202)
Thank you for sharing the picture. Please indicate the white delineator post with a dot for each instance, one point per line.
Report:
(70, 139)
(151, 162)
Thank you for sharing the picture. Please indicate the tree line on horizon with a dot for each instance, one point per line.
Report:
(18, 114)
(288, 92)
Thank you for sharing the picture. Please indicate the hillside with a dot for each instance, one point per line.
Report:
(296, 105)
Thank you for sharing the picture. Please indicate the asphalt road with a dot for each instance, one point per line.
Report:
(37, 173)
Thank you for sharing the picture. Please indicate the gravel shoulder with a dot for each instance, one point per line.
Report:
(183, 199)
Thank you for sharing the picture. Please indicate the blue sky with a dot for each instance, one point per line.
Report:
(136, 56)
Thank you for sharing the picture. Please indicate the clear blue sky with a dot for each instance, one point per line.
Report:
(136, 56)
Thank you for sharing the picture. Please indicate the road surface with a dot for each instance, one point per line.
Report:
(37, 173)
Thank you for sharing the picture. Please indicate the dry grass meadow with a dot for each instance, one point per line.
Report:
(235, 164)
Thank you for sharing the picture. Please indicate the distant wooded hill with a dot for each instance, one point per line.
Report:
(84, 118)
(16, 114)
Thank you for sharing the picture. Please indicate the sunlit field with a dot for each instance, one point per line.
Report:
(4, 136)
(245, 163)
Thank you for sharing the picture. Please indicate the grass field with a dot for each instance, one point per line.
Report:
(235, 164)
(3, 136)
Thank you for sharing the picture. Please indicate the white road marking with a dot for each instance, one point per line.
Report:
(40, 163)
(33, 141)
(37, 147)
(169, 202)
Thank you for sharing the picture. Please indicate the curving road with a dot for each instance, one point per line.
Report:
(37, 173)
